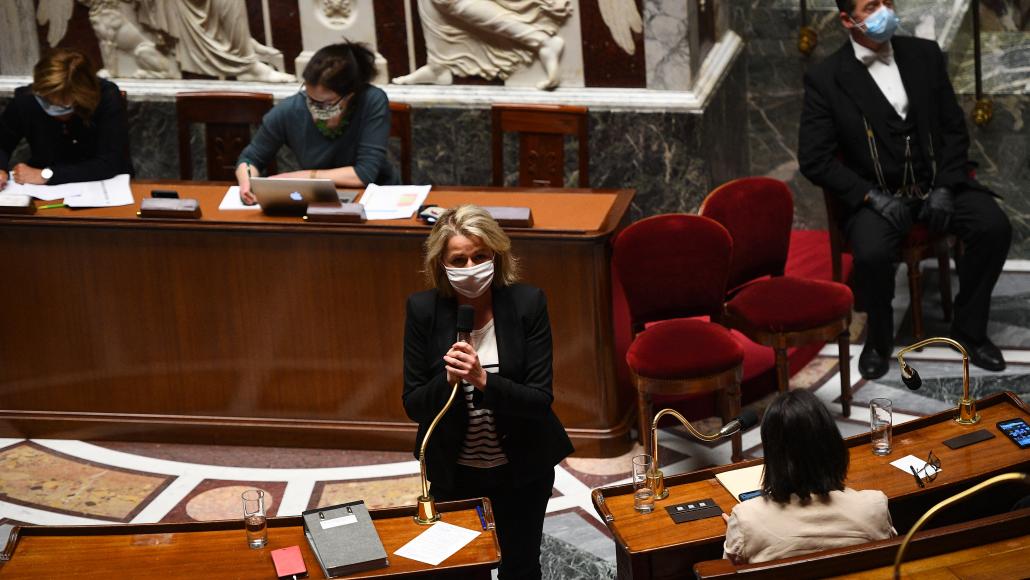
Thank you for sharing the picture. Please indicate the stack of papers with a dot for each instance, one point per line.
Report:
(392, 202)
(108, 193)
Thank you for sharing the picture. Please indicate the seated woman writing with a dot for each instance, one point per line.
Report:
(805, 506)
(74, 123)
(338, 125)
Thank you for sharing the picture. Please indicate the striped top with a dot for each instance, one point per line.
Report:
(481, 447)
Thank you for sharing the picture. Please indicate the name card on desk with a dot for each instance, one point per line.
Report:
(160, 207)
(348, 213)
(511, 217)
(16, 204)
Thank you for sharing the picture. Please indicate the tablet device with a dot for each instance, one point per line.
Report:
(291, 196)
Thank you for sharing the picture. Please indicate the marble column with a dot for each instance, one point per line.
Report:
(667, 44)
(19, 45)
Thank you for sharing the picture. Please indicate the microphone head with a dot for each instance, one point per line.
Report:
(748, 419)
(466, 318)
(911, 377)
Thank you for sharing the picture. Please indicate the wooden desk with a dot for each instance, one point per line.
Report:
(219, 549)
(245, 328)
(653, 546)
(995, 547)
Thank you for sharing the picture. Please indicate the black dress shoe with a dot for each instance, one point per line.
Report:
(871, 364)
(984, 354)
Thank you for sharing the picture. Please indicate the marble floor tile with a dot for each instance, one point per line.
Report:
(377, 493)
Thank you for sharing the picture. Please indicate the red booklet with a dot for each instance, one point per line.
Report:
(289, 563)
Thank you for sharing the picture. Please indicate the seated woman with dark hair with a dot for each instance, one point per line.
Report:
(338, 125)
(74, 123)
(805, 506)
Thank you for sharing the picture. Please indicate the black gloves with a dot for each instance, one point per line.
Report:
(938, 209)
(891, 208)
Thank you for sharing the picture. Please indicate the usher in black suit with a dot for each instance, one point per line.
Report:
(834, 153)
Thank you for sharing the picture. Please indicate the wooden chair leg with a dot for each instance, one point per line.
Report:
(844, 349)
(736, 445)
(915, 291)
(782, 370)
(644, 414)
(944, 278)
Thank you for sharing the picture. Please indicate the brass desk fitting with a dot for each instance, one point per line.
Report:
(427, 513)
(1014, 476)
(967, 414)
(655, 479)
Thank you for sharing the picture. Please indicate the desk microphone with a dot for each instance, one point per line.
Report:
(747, 419)
(466, 319)
(910, 377)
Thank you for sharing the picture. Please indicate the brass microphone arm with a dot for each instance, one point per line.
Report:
(951, 500)
(967, 414)
(655, 479)
(427, 513)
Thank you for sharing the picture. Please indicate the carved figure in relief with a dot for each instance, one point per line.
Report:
(337, 10)
(490, 39)
(623, 20)
(212, 37)
(114, 32)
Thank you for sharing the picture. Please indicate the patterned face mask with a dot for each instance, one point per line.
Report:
(322, 114)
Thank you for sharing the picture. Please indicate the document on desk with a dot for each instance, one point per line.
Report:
(392, 202)
(439, 542)
(738, 481)
(911, 462)
(108, 193)
(231, 200)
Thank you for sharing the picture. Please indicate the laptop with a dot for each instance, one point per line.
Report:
(291, 196)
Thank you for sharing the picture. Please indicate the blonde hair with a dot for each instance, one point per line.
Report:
(67, 75)
(470, 221)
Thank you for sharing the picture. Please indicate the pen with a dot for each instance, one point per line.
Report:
(482, 520)
(247, 163)
(52, 206)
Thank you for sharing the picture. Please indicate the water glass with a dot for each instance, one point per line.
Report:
(643, 495)
(254, 518)
(880, 417)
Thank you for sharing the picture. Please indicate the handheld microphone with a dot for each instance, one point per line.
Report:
(747, 419)
(910, 377)
(466, 320)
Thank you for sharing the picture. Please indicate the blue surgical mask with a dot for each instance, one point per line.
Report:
(880, 25)
(52, 109)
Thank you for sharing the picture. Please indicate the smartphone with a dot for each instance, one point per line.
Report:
(749, 494)
(1017, 430)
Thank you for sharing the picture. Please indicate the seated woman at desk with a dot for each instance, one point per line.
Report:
(500, 439)
(338, 125)
(74, 123)
(805, 506)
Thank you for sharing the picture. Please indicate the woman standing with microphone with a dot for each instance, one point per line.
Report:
(505, 440)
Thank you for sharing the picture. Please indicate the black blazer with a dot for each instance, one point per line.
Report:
(519, 394)
(75, 150)
(833, 151)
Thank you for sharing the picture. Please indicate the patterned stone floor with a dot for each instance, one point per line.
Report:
(78, 482)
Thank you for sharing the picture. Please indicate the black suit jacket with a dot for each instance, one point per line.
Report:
(519, 394)
(833, 151)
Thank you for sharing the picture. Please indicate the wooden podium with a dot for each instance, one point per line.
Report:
(250, 329)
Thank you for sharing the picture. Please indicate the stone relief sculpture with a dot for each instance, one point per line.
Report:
(490, 39)
(623, 20)
(210, 37)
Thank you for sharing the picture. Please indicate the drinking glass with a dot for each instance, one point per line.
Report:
(254, 518)
(643, 495)
(880, 426)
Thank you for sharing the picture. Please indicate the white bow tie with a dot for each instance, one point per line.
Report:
(867, 58)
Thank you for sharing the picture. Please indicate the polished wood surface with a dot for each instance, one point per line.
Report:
(245, 328)
(541, 130)
(653, 546)
(227, 117)
(219, 549)
(986, 547)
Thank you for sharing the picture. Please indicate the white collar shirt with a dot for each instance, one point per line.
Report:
(884, 70)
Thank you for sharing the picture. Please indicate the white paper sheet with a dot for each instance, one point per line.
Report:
(108, 193)
(46, 192)
(231, 200)
(914, 462)
(391, 202)
(741, 480)
(439, 542)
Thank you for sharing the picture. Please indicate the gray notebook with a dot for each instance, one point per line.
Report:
(344, 539)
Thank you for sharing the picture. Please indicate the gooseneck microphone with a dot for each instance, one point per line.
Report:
(747, 419)
(466, 320)
(910, 377)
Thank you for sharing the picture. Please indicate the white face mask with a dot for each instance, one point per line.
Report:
(471, 282)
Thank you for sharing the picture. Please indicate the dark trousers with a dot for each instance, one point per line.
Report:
(985, 233)
(518, 512)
